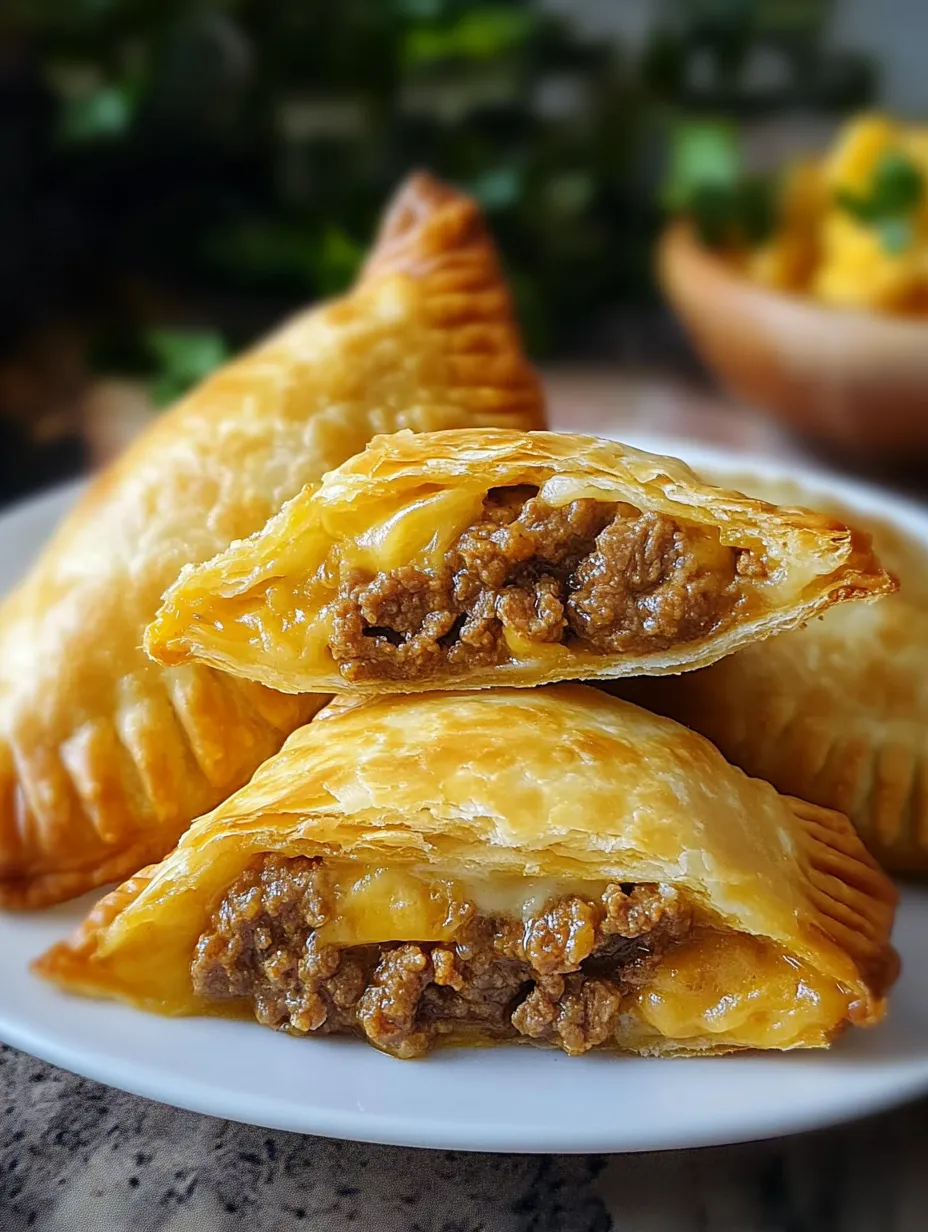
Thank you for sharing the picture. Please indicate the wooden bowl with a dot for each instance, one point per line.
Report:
(855, 382)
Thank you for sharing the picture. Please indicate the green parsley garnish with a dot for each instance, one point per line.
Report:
(895, 192)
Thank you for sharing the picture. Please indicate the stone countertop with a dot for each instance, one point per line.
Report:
(77, 1155)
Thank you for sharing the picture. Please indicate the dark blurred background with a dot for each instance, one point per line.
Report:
(176, 176)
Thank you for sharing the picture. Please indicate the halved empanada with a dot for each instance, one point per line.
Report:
(547, 864)
(488, 556)
(104, 757)
(836, 712)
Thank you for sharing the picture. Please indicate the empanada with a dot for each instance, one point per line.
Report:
(488, 556)
(836, 712)
(104, 757)
(551, 865)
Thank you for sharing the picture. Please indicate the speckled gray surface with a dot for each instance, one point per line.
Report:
(78, 1156)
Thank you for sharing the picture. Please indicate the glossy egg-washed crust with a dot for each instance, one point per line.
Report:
(837, 712)
(562, 781)
(241, 611)
(105, 757)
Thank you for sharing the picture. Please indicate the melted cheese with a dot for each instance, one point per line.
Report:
(420, 533)
(372, 905)
(729, 988)
(524, 897)
(741, 991)
(524, 649)
(390, 904)
(296, 608)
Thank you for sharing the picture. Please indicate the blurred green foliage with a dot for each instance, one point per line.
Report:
(232, 156)
(181, 358)
(706, 180)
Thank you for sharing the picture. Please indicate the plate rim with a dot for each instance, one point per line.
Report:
(379, 1129)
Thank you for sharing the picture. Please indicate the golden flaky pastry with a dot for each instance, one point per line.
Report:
(104, 757)
(836, 712)
(549, 864)
(489, 556)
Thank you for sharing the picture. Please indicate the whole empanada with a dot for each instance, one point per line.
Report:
(491, 556)
(105, 757)
(550, 865)
(836, 712)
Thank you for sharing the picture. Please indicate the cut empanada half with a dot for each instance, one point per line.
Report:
(104, 756)
(836, 712)
(546, 865)
(488, 556)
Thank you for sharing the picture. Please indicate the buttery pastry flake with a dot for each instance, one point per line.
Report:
(497, 866)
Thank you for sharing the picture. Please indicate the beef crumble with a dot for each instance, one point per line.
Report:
(601, 575)
(558, 977)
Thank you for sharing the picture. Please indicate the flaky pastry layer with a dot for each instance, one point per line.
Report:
(836, 712)
(552, 789)
(104, 756)
(672, 574)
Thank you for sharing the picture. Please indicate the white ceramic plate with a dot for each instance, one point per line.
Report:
(512, 1099)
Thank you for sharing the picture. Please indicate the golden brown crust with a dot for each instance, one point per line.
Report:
(559, 782)
(855, 900)
(104, 757)
(261, 609)
(69, 961)
(836, 712)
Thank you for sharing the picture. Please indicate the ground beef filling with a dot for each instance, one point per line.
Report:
(603, 576)
(558, 978)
